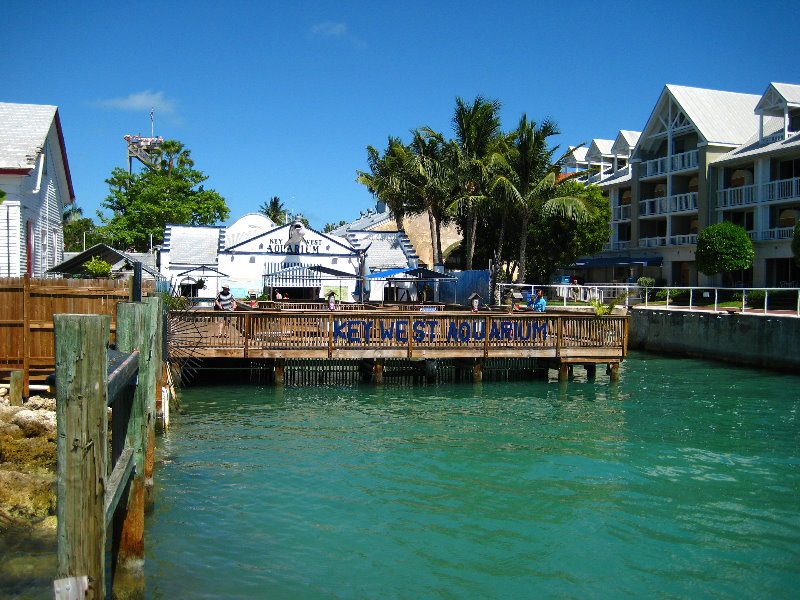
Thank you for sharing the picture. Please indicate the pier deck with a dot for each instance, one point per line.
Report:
(384, 334)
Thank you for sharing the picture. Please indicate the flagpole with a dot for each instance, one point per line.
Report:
(152, 134)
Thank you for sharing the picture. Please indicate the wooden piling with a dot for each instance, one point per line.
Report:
(613, 371)
(81, 392)
(591, 370)
(16, 388)
(133, 333)
(563, 372)
(153, 371)
(377, 371)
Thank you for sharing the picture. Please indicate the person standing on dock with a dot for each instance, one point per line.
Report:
(540, 303)
(225, 301)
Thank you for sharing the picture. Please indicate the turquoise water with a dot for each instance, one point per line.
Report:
(682, 480)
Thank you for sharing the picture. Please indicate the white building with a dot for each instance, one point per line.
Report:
(34, 173)
(703, 156)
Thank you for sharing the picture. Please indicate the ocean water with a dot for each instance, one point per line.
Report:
(682, 480)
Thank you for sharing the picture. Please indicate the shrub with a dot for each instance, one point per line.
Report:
(674, 295)
(723, 248)
(96, 267)
(754, 298)
(646, 283)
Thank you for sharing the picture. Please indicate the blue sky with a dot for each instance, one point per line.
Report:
(282, 98)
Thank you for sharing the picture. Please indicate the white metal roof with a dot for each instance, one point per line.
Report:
(23, 131)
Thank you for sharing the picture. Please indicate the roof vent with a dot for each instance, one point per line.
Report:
(363, 213)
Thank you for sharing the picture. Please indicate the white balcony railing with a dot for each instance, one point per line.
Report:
(778, 233)
(682, 239)
(740, 196)
(621, 213)
(683, 202)
(676, 162)
(666, 205)
(652, 242)
(772, 191)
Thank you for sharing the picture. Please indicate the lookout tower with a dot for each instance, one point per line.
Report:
(142, 149)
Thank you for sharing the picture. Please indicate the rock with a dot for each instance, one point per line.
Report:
(27, 497)
(36, 423)
(10, 430)
(40, 403)
(35, 454)
(7, 412)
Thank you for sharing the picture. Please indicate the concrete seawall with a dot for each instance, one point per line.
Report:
(771, 342)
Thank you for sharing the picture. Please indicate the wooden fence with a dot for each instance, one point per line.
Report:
(27, 307)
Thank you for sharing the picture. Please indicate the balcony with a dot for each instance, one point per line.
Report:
(670, 164)
(772, 191)
(621, 213)
(683, 239)
(778, 233)
(678, 203)
(652, 242)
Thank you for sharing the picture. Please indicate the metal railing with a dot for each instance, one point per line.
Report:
(771, 191)
(785, 298)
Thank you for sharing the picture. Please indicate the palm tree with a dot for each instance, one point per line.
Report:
(389, 176)
(72, 212)
(275, 210)
(527, 177)
(170, 151)
(477, 128)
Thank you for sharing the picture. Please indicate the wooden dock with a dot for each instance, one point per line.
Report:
(558, 340)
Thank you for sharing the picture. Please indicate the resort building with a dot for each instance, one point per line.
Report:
(34, 174)
(703, 156)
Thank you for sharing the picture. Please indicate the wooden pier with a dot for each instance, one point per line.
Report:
(556, 340)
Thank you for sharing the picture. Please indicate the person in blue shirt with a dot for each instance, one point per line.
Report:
(540, 303)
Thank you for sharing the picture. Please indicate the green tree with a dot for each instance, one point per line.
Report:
(556, 240)
(331, 226)
(388, 176)
(723, 248)
(169, 192)
(275, 210)
(477, 128)
(76, 229)
(2, 196)
(527, 176)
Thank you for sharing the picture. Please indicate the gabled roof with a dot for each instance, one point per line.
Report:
(283, 229)
(625, 141)
(190, 245)
(776, 97)
(369, 219)
(23, 133)
(599, 148)
(753, 148)
(720, 118)
(120, 261)
(385, 249)
(577, 154)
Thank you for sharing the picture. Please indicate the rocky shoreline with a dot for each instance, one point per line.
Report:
(27, 464)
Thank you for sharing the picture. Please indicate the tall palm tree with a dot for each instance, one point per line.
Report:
(477, 127)
(275, 210)
(72, 212)
(389, 176)
(171, 152)
(528, 177)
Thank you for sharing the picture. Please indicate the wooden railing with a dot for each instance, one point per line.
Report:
(91, 496)
(27, 307)
(388, 334)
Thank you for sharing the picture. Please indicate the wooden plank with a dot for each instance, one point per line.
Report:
(122, 375)
(117, 483)
(80, 342)
(16, 387)
(26, 336)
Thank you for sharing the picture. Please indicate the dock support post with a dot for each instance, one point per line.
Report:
(134, 333)
(377, 371)
(81, 416)
(477, 371)
(153, 373)
(280, 368)
(563, 372)
(16, 387)
(591, 370)
(612, 369)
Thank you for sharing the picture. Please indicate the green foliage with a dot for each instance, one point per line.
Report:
(723, 248)
(2, 196)
(753, 298)
(607, 308)
(170, 192)
(796, 243)
(674, 295)
(331, 226)
(646, 283)
(96, 267)
(275, 210)
(174, 302)
(73, 234)
(555, 240)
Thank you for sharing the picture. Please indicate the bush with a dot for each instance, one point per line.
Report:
(723, 248)
(674, 295)
(646, 283)
(755, 298)
(96, 267)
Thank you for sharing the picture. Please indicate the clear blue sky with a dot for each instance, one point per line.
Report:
(282, 98)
